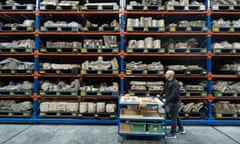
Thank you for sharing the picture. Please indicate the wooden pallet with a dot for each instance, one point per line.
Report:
(16, 50)
(58, 114)
(146, 29)
(86, 93)
(99, 72)
(99, 8)
(224, 51)
(97, 115)
(143, 50)
(130, 72)
(16, 71)
(143, 93)
(187, 51)
(108, 29)
(227, 94)
(58, 8)
(187, 29)
(190, 72)
(100, 29)
(16, 29)
(227, 115)
(226, 7)
(223, 29)
(16, 92)
(60, 71)
(141, 7)
(193, 94)
(60, 50)
(4, 113)
(16, 8)
(196, 72)
(59, 29)
(102, 50)
(192, 115)
(149, 72)
(58, 93)
(185, 8)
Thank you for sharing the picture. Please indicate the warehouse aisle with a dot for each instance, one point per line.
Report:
(82, 134)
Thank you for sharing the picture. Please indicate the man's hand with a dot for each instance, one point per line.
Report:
(164, 100)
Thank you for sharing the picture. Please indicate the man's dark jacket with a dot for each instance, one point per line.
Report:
(171, 90)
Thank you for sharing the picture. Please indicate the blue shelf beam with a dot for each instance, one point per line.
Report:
(45, 120)
(139, 119)
(208, 122)
(137, 105)
(142, 134)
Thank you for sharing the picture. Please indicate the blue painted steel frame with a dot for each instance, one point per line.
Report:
(139, 119)
(209, 63)
(36, 88)
(46, 120)
(36, 63)
(78, 121)
(122, 48)
(35, 119)
(144, 135)
(208, 122)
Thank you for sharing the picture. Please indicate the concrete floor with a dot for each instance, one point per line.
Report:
(97, 134)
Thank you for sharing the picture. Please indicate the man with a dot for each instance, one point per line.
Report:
(171, 91)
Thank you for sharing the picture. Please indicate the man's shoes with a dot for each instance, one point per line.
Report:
(181, 132)
(171, 136)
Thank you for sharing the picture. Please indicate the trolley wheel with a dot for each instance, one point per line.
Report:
(120, 139)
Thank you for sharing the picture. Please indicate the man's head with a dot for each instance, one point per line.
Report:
(169, 75)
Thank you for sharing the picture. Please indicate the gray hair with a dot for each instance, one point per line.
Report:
(171, 72)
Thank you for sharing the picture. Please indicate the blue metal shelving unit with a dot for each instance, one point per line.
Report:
(35, 119)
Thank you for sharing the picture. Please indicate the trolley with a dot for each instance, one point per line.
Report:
(138, 118)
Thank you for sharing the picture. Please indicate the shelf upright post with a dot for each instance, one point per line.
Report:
(207, 4)
(38, 4)
(122, 4)
(121, 54)
(209, 59)
(122, 47)
(36, 60)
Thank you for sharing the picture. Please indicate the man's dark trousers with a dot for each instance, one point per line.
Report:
(176, 120)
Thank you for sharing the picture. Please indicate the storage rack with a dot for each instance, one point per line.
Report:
(39, 56)
(123, 56)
